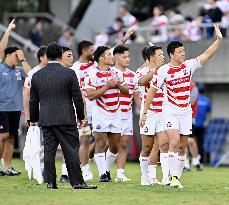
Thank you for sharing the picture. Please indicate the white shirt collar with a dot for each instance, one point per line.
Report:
(53, 62)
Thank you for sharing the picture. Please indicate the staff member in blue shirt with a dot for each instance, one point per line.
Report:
(11, 103)
(203, 115)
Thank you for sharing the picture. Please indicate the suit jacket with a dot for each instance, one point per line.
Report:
(53, 91)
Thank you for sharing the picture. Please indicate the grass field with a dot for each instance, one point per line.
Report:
(210, 187)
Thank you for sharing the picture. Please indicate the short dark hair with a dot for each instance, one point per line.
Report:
(83, 45)
(64, 49)
(10, 50)
(41, 52)
(172, 46)
(100, 51)
(120, 49)
(144, 51)
(151, 51)
(119, 19)
(53, 51)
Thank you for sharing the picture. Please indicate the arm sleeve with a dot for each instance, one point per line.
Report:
(136, 86)
(90, 82)
(193, 64)
(77, 96)
(158, 78)
(34, 102)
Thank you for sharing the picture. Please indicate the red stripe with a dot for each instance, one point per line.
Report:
(125, 103)
(159, 95)
(112, 103)
(84, 67)
(128, 75)
(125, 110)
(103, 75)
(111, 95)
(175, 69)
(180, 105)
(184, 97)
(159, 103)
(155, 110)
(100, 105)
(179, 90)
(125, 95)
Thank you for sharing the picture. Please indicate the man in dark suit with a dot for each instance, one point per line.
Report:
(53, 91)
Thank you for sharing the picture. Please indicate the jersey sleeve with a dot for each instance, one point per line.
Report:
(136, 86)
(193, 64)
(27, 82)
(158, 78)
(90, 82)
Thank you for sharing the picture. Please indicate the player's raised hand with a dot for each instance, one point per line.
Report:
(218, 32)
(11, 26)
(129, 32)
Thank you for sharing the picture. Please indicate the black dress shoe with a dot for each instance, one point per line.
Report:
(2, 173)
(109, 176)
(52, 186)
(104, 178)
(84, 186)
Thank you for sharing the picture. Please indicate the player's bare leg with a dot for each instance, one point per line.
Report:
(195, 153)
(182, 154)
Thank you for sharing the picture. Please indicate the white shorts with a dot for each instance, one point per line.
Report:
(154, 123)
(103, 121)
(180, 121)
(127, 123)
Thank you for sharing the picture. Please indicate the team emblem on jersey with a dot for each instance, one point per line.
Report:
(146, 129)
(172, 76)
(169, 124)
(103, 81)
(131, 80)
(185, 72)
(98, 127)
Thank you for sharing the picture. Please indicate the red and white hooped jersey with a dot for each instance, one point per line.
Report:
(97, 79)
(156, 105)
(131, 81)
(28, 79)
(176, 80)
(81, 70)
